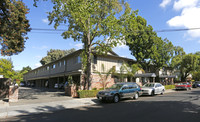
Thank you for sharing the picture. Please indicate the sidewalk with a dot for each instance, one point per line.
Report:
(7, 110)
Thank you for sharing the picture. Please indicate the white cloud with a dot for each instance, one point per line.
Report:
(189, 17)
(79, 46)
(165, 3)
(45, 21)
(37, 65)
(180, 4)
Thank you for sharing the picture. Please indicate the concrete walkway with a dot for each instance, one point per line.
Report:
(12, 109)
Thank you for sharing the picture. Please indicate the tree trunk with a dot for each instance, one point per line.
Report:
(88, 68)
(88, 53)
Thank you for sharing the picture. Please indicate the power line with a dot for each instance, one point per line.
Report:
(173, 30)
(158, 31)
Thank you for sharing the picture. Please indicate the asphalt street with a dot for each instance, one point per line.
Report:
(180, 106)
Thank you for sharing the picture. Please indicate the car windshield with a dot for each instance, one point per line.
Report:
(116, 86)
(182, 83)
(197, 82)
(149, 85)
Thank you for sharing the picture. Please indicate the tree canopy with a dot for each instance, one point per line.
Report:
(139, 37)
(14, 26)
(55, 54)
(6, 68)
(189, 64)
(87, 20)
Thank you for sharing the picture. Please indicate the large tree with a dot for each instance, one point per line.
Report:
(55, 54)
(162, 54)
(87, 20)
(189, 64)
(139, 37)
(13, 26)
(177, 57)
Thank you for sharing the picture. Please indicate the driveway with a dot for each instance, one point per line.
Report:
(31, 95)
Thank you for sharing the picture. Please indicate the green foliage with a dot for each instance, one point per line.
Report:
(25, 69)
(169, 86)
(131, 69)
(189, 64)
(139, 36)
(144, 44)
(70, 79)
(6, 68)
(55, 54)
(89, 19)
(177, 57)
(87, 93)
(162, 54)
(13, 26)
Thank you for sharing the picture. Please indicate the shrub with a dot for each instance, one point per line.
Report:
(169, 86)
(94, 88)
(101, 89)
(87, 93)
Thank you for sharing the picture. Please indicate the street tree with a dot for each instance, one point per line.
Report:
(87, 20)
(177, 57)
(14, 26)
(55, 54)
(6, 68)
(139, 37)
(189, 64)
(162, 54)
(196, 74)
(26, 69)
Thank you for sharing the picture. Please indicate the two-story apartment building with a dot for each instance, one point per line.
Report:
(70, 65)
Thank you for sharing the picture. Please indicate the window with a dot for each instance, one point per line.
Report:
(64, 62)
(53, 66)
(79, 59)
(47, 68)
(95, 59)
(60, 64)
(135, 86)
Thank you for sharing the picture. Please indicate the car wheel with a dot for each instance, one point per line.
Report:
(163, 91)
(136, 96)
(116, 99)
(152, 93)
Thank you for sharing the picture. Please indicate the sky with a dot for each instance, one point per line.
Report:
(160, 14)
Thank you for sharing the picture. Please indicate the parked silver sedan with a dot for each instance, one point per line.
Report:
(152, 89)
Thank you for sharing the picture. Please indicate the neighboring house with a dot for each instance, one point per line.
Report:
(167, 76)
(70, 65)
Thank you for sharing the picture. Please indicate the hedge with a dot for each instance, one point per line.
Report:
(87, 93)
(169, 86)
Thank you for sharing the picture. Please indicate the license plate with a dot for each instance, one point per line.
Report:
(100, 97)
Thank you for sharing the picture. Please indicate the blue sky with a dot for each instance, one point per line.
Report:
(161, 14)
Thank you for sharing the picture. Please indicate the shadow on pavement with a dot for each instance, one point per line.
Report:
(149, 111)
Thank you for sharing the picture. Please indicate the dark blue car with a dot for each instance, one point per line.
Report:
(119, 91)
(196, 84)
